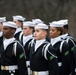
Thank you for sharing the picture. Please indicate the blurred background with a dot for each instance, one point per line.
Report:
(46, 10)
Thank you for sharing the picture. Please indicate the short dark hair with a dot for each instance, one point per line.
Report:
(32, 28)
(66, 27)
(60, 29)
(20, 21)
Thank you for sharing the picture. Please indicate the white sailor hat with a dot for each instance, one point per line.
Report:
(41, 26)
(2, 19)
(37, 21)
(18, 17)
(10, 24)
(28, 23)
(65, 22)
(56, 24)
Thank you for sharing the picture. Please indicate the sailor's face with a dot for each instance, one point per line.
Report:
(54, 32)
(17, 23)
(7, 32)
(26, 30)
(39, 34)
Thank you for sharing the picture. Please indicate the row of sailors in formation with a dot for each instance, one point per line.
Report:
(47, 51)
